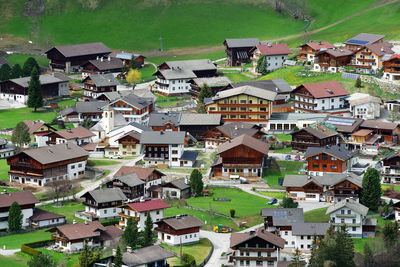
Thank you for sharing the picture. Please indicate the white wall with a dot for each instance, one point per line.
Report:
(357, 232)
(73, 169)
(26, 214)
(174, 240)
(367, 111)
(14, 98)
(179, 151)
(179, 86)
(104, 213)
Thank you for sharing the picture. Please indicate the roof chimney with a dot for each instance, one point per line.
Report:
(109, 58)
(101, 59)
(128, 249)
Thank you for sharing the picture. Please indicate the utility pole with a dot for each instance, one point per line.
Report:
(161, 45)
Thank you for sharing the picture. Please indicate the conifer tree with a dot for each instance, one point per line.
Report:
(118, 258)
(35, 97)
(148, 231)
(5, 72)
(15, 217)
(371, 184)
(131, 234)
(196, 182)
(29, 65)
(16, 72)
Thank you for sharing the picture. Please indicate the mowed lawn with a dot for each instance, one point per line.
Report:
(15, 241)
(9, 118)
(273, 194)
(199, 251)
(68, 210)
(279, 169)
(102, 162)
(147, 72)
(247, 207)
(59, 257)
(4, 168)
(19, 259)
(21, 58)
(317, 215)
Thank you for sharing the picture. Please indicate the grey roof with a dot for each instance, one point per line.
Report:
(276, 85)
(242, 42)
(130, 179)
(337, 151)
(212, 81)
(44, 79)
(189, 155)
(319, 130)
(103, 80)
(193, 64)
(178, 183)
(61, 76)
(116, 94)
(318, 229)
(107, 195)
(161, 137)
(145, 93)
(200, 119)
(142, 256)
(127, 56)
(181, 222)
(283, 216)
(298, 116)
(175, 74)
(67, 111)
(364, 39)
(136, 101)
(82, 49)
(140, 126)
(56, 153)
(247, 90)
(90, 107)
(159, 119)
(109, 63)
(328, 179)
(348, 203)
(234, 129)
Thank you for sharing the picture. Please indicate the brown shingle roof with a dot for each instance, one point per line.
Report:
(245, 140)
(81, 230)
(33, 125)
(78, 132)
(82, 49)
(318, 45)
(238, 238)
(362, 132)
(142, 173)
(372, 124)
(381, 48)
(107, 63)
(56, 153)
(111, 233)
(335, 52)
(319, 131)
(22, 198)
(41, 215)
(182, 222)
(325, 89)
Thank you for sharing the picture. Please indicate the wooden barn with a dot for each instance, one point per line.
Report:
(238, 50)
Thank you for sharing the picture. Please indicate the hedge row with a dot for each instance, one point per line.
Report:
(29, 248)
(188, 259)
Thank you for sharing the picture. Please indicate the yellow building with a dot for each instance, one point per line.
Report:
(245, 103)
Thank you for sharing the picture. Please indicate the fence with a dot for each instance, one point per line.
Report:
(214, 213)
(208, 256)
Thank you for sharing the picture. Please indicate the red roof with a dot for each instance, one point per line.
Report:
(153, 204)
(318, 45)
(394, 56)
(325, 89)
(33, 125)
(273, 49)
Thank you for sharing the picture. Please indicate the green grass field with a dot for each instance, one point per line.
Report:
(277, 195)
(199, 251)
(9, 189)
(9, 118)
(283, 150)
(4, 168)
(15, 241)
(68, 210)
(236, 77)
(102, 162)
(284, 137)
(20, 259)
(279, 169)
(147, 72)
(64, 103)
(21, 58)
(59, 257)
(386, 186)
(317, 215)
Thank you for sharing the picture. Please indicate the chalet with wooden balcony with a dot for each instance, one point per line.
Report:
(102, 204)
(238, 50)
(79, 136)
(352, 215)
(40, 166)
(314, 135)
(388, 132)
(328, 159)
(309, 50)
(164, 121)
(150, 177)
(102, 65)
(392, 68)
(180, 229)
(330, 60)
(139, 211)
(275, 54)
(129, 144)
(72, 237)
(96, 84)
(363, 138)
(244, 104)
(243, 156)
(391, 169)
(69, 58)
(83, 110)
(197, 125)
(127, 58)
(369, 59)
(360, 40)
(323, 97)
(256, 248)
(330, 187)
(39, 131)
(129, 184)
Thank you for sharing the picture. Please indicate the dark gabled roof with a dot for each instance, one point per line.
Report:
(234, 129)
(276, 85)
(328, 179)
(82, 49)
(364, 39)
(246, 90)
(22, 198)
(343, 124)
(181, 222)
(283, 216)
(391, 156)
(135, 101)
(238, 238)
(130, 179)
(80, 230)
(142, 256)
(241, 42)
(160, 119)
(191, 65)
(139, 126)
(161, 137)
(90, 107)
(348, 203)
(106, 195)
(189, 155)
(200, 119)
(41, 215)
(44, 79)
(105, 64)
(247, 141)
(176, 74)
(318, 130)
(336, 52)
(318, 229)
(133, 134)
(337, 151)
(178, 183)
(103, 79)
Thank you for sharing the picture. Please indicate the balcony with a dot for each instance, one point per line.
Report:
(249, 112)
(242, 105)
(162, 83)
(366, 53)
(346, 224)
(366, 59)
(339, 215)
(360, 66)
(87, 216)
(305, 103)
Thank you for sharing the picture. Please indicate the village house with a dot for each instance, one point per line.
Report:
(391, 169)
(360, 40)
(216, 84)
(39, 131)
(127, 57)
(139, 210)
(129, 184)
(362, 139)
(275, 54)
(7, 149)
(69, 58)
(243, 156)
(238, 50)
(188, 159)
(52, 85)
(163, 149)
(309, 50)
(73, 237)
(176, 189)
(289, 122)
(369, 59)
(164, 121)
(314, 135)
(330, 60)
(83, 110)
(43, 218)
(330, 187)
(218, 135)
(396, 207)
(200, 67)
(256, 248)
(244, 104)
(197, 124)
(102, 204)
(344, 125)
(129, 144)
(180, 229)
(364, 106)
(40, 166)
(78, 136)
(388, 132)
(328, 159)
(391, 67)
(102, 65)
(96, 84)
(322, 97)
(352, 215)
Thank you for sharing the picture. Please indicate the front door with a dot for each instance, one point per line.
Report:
(40, 182)
(22, 180)
(181, 163)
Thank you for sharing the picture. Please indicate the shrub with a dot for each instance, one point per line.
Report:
(232, 212)
(29, 250)
(188, 259)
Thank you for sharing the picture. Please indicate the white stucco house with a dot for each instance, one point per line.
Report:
(364, 106)
(275, 55)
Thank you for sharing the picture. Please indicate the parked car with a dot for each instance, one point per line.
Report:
(272, 201)
(389, 216)
(297, 157)
(115, 157)
(288, 157)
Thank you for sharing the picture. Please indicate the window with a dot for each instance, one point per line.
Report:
(315, 165)
(324, 157)
(333, 167)
(324, 166)
(342, 212)
(223, 109)
(354, 220)
(105, 211)
(333, 158)
(315, 157)
(348, 211)
(354, 228)
(72, 167)
(242, 101)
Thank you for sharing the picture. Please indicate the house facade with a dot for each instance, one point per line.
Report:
(133, 108)
(198, 124)
(7, 149)
(369, 59)
(388, 132)
(391, 67)
(391, 169)
(176, 189)
(102, 65)
(314, 135)
(78, 136)
(238, 50)
(275, 55)
(365, 107)
(97, 84)
(330, 60)
(309, 50)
